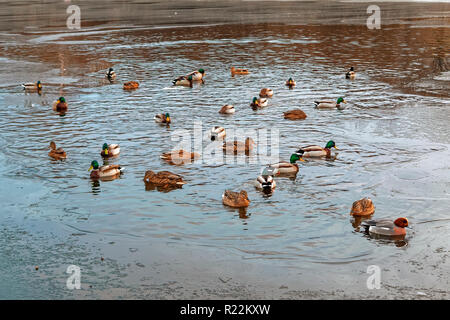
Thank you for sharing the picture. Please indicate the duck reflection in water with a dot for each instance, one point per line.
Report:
(95, 185)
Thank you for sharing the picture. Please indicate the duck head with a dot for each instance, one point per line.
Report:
(340, 99)
(94, 165)
(167, 118)
(330, 144)
(105, 148)
(401, 222)
(202, 71)
(296, 157)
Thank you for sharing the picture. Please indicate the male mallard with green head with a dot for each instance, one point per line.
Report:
(314, 151)
(330, 104)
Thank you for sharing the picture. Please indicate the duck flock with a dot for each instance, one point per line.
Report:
(362, 210)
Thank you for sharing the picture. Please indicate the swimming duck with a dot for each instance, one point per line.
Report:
(265, 181)
(111, 74)
(238, 146)
(330, 104)
(316, 151)
(57, 154)
(350, 74)
(287, 168)
(386, 227)
(130, 85)
(162, 118)
(110, 171)
(290, 83)
(235, 199)
(32, 86)
(186, 81)
(218, 133)
(258, 103)
(238, 71)
(266, 93)
(363, 207)
(110, 150)
(227, 109)
(60, 105)
(295, 115)
(164, 179)
(179, 157)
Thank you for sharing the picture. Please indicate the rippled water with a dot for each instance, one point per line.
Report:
(393, 144)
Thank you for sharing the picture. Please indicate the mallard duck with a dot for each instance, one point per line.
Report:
(180, 157)
(238, 71)
(217, 133)
(350, 74)
(316, 151)
(290, 83)
(111, 74)
(110, 171)
(130, 85)
(110, 150)
(238, 146)
(235, 199)
(163, 118)
(57, 154)
(265, 181)
(227, 109)
(60, 105)
(258, 103)
(330, 104)
(386, 227)
(287, 168)
(164, 179)
(197, 75)
(295, 115)
(32, 86)
(363, 207)
(186, 81)
(266, 93)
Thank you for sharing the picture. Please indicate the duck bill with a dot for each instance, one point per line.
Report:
(336, 148)
(90, 168)
(168, 119)
(106, 152)
(344, 101)
(301, 159)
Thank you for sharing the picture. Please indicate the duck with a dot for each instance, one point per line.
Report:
(197, 75)
(111, 171)
(290, 83)
(265, 181)
(186, 81)
(235, 199)
(258, 103)
(110, 150)
(317, 151)
(32, 86)
(296, 114)
(217, 133)
(266, 93)
(238, 146)
(362, 208)
(386, 228)
(330, 104)
(164, 179)
(57, 154)
(287, 168)
(180, 157)
(111, 74)
(227, 109)
(350, 74)
(60, 105)
(162, 118)
(130, 85)
(235, 71)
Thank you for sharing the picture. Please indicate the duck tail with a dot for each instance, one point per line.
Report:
(121, 169)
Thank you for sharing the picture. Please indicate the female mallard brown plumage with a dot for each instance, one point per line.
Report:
(60, 105)
(363, 207)
(238, 146)
(314, 151)
(109, 172)
(235, 71)
(164, 179)
(57, 154)
(110, 150)
(350, 74)
(130, 85)
(235, 199)
(227, 109)
(180, 157)
(295, 115)
(163, 118)
(266, 93)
